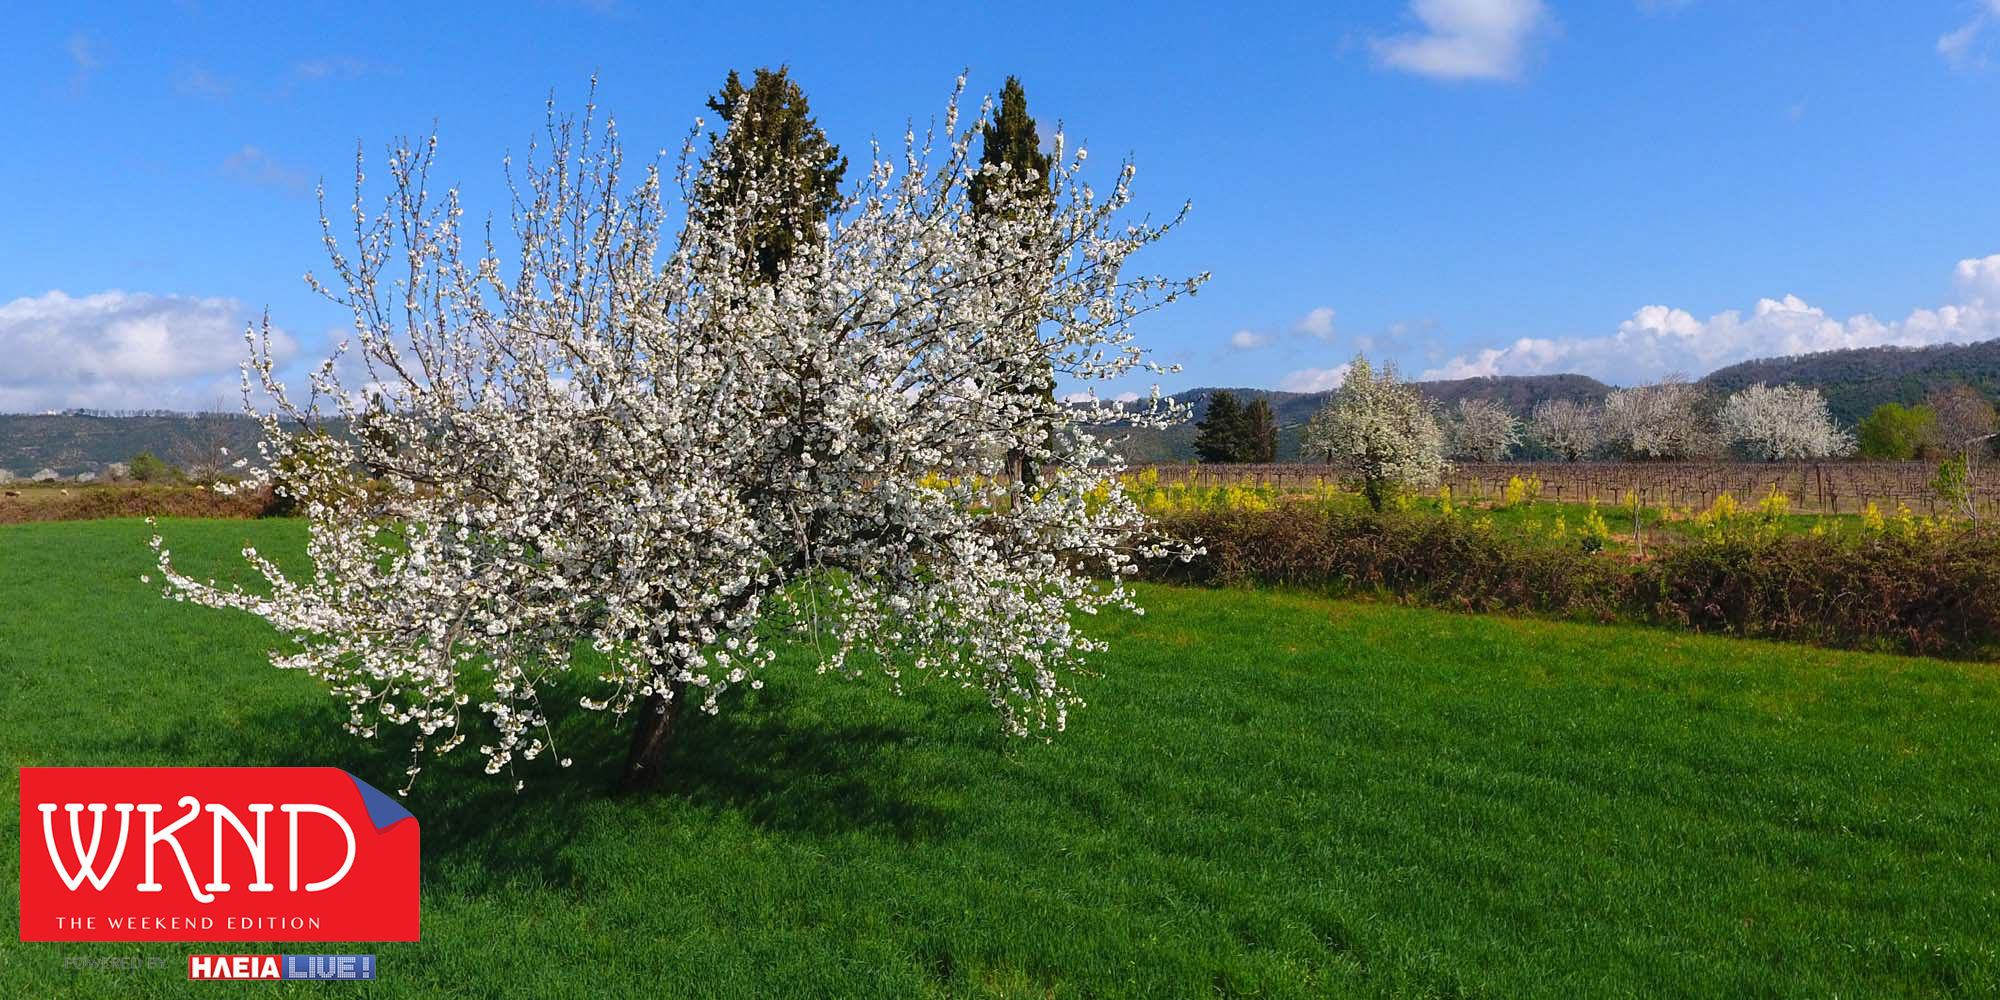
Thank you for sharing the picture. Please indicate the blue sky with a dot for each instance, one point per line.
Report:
(1619, 187)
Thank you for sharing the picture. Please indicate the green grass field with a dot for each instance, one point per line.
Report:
(1269, 795)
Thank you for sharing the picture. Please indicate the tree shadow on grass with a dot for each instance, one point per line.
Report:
(818, 777)
(821, 777)
(467, 816)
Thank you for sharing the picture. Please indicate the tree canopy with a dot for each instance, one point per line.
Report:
(1013, 178)
(1382, 428)
(1897, 432)
(1218, 435)
(1231, 431)
(1011, 155)
(771, 175)
(621, 461)
(1782, 422)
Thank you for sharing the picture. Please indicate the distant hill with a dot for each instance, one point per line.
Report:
(1853, 381)
(79, 442)
(1858, 380)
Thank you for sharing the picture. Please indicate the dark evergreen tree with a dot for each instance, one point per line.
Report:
(1219, 435)
(1013, 148)
(773, 145)
(1257, 433)
(1017, 181)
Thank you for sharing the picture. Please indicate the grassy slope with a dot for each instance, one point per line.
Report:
(1271, 795)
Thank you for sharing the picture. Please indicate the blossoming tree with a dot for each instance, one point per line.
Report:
(1482, 430)
(602, 449)
(1382, 428)
(1782, 422)
(1667, 419)
(1565, 426)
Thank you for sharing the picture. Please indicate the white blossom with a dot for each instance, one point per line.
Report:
(596, 440)
(1483, 431)
(1566, 427)
(1784, 422)
(1380, 427)
(1667, 419)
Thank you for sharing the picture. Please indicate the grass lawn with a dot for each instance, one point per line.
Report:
(1269, 795)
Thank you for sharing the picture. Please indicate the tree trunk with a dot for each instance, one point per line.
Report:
(659, 725)
(1374, 490)
(1017, 467)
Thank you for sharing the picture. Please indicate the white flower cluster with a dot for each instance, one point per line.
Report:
(572, 441)
(1483, 430)
(1666, 419)
(1380, 427)
(1566, 427)
(1783, 422)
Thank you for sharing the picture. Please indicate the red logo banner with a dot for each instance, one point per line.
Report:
(214, 854)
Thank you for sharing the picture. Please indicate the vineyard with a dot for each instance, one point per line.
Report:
(1814, 488)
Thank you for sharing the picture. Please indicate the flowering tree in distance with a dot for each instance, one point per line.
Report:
(1784, 422)
(1482, 430)
(1667, 419)
(1566, 427)
(606, 449)
(1380, 427)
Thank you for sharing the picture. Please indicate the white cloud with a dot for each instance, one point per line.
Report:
(1318, 323)
(123, 350)
(1315, 379)
(330, 68)
(1658, 340)
(1953, 46)
(1978, 280)
(82, 54)
(1958, 47)
(255, 166)
(194, 81)
(1248, 340)
(1086, 396)
(1466, 39)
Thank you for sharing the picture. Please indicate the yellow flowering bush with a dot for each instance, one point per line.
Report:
(1777, 503)
(1595, 534)
(1871, 519)
(1521, 492)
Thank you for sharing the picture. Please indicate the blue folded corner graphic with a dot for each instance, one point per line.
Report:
(383, 811)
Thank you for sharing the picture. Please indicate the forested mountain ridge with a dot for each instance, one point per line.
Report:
(1856, 381)
(1853, 381)
(83, 442)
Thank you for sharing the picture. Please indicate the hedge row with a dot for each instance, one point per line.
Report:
(1925, 591)
(83, 503)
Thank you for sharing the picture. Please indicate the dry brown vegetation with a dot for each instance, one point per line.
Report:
(24, 502)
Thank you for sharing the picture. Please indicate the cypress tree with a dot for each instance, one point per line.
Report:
(1011, 145)
(1012, 150)
(1257, 431)
(773, 145)
(1219, 435)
